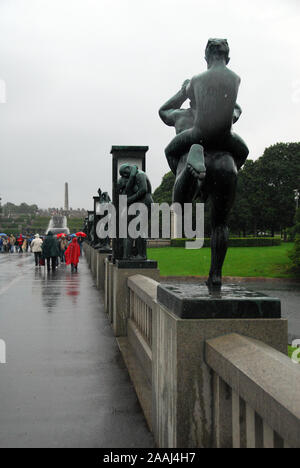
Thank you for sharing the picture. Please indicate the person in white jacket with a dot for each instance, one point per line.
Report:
(36, 248)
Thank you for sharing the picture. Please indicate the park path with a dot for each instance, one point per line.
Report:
(64, 384)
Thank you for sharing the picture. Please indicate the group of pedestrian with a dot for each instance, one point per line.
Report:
(12, 244)
(47, 250)
(51, 249)
(7, 243)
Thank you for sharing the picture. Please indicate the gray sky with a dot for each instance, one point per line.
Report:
(83, 75)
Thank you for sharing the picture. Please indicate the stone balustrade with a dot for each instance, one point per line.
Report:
(256, 394)
(203, 382)
(142, 302)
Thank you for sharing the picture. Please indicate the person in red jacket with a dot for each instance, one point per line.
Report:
(20, 241)
(72, 254)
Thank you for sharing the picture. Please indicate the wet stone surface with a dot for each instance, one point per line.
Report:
(190, 300)
(65, 383)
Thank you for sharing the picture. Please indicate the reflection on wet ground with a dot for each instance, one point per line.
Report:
(64, 384)
(289, 294)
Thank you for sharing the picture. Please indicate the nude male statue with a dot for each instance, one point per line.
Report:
(205, 155)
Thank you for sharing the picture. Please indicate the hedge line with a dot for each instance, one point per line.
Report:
(236, 242)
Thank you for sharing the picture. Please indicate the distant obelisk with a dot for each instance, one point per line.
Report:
(66, 197)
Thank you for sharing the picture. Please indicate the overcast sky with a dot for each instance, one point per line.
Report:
(83, 75)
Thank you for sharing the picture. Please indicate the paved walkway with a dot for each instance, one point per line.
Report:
(64, 384)
(289, 294)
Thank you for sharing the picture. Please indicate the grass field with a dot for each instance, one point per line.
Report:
(291, 350)
(270, 262)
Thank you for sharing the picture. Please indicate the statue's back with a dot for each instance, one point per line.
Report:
(215, 93)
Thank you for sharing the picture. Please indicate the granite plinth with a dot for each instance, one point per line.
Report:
(120, 293)
(191, 301)
(136, 264)
(105, 251)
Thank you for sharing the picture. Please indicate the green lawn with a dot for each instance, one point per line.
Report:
(290, 352)
(270, 262)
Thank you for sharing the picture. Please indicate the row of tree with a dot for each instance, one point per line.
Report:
(295, 234)
(265, 200)
(23, 208)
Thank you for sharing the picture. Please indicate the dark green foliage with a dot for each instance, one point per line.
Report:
(11, 208)
(295, 254)
(236, 242)
(75, 224)
(265, 193)
(293, 231)
(163, 194)
(25, 219)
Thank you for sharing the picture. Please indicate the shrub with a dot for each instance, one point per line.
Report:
(295, 254)
(236, 242)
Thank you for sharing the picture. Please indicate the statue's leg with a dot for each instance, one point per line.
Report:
(182, 143)
(127, 248)
(142, 248)
(223, 179)
(238, 148)
(191, 172)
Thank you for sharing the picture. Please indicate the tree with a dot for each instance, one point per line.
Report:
(245, 215)
(279, 175)
(163, 194)
(295, 253)
(265, 191)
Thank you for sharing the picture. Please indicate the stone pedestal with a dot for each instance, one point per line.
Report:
(106, 283)
(110, 290)
(94, 262)
(102, 254)
(134, 155)
(122, 270)
(182, 382)
(87, 252)
(193, 301)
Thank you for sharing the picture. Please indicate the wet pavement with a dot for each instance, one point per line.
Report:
(65, 383)
(289, 294)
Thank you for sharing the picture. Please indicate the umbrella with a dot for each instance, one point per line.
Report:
(72, 235)
(60, 235)
(81, 234)
(3, 234)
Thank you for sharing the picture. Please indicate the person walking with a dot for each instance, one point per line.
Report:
(80, 242)
(24, 245)
(72, 254)
(36, 248)
(63, 244)
(20, 241)
(12, 243)
(8, 246)
(50, 251)
(5, 245)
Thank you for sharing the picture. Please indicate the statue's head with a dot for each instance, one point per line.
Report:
(217, 49)
(105, 198)
(125, 170)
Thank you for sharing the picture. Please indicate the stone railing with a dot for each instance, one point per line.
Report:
(256, 394)
(142, 302)
(205, 382)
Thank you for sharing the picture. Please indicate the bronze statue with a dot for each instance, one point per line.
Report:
(135, 184)
(103, 244)
(205, 155)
